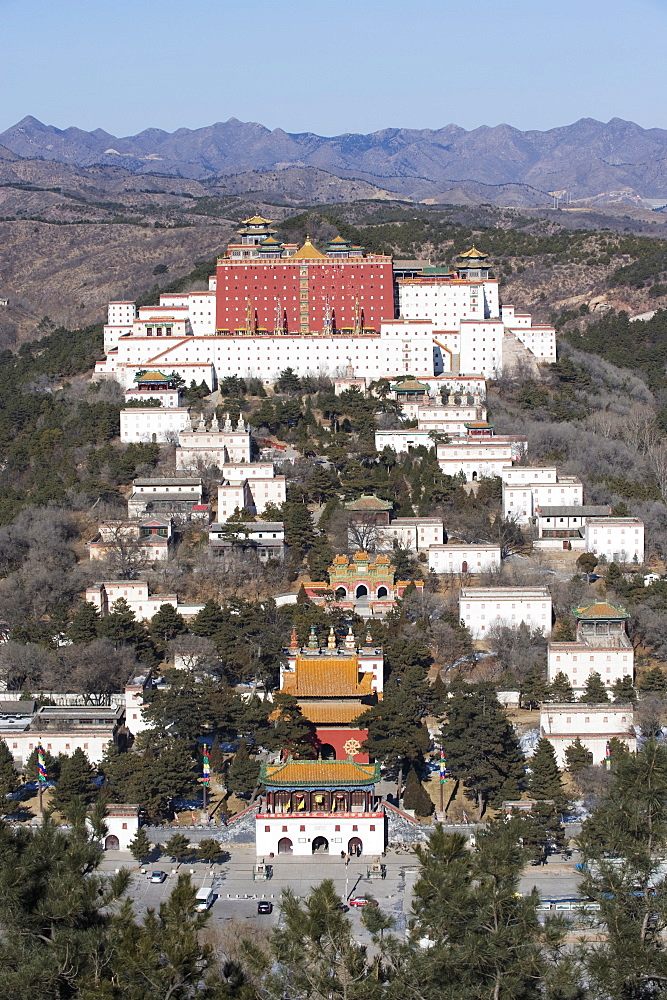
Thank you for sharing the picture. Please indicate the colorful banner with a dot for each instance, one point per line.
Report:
(41, 763)
(443, 767)
(206, 766)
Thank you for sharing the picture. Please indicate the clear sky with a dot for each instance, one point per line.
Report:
(332, 66)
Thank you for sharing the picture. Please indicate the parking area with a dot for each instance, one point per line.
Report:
(237, 894)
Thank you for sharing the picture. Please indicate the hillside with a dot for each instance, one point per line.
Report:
(612, 161)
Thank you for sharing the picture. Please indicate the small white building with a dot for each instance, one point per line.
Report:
(134, 702)
(135, 593)
(158, 424)
(565, 523)
(595, 725)
(525, 489)
(618, 539)
(417, 534)
(213, 445)
(252, 494)
(479, 458)
(265, 538)
(122, 823)
(482, 607)
(462, 557)
(179, 497)
(149, 538)
(62, 729)
(601, 647)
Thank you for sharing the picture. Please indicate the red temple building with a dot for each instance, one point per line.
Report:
(265, 285)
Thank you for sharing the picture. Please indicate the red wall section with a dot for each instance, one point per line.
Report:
(338, 737)
(341, 281)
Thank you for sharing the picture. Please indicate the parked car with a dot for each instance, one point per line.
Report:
(157, 876)
(264, 906)
(362, 901)
(204, 899)
(343, 907)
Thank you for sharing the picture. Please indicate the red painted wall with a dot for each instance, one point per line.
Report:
(338, 737)
(342, 281)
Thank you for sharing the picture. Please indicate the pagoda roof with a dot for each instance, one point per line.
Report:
(601, 609)
(338, 241)
(409, 385)
(316, 773)
(332, 711)
(256, 220)
(369, 502)
(308, 252)
(153, 376)
(473, 253)
(327, 677)
(270, 241)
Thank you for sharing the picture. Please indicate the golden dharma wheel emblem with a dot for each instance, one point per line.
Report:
(352, 747)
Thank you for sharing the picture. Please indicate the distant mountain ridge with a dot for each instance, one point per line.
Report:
(587, 158)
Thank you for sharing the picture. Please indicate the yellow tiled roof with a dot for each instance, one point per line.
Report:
(473, 252)
(307, 252)
(319, 772)
(257, 220)
(327, 676)
(602, 609)
(332, 711)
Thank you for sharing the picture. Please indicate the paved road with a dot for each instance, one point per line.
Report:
(237, 894)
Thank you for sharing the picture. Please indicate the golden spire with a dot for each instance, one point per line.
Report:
(331, 642)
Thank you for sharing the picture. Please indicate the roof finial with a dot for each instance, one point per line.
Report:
(294, 642)
(331, 643)
(369, 637)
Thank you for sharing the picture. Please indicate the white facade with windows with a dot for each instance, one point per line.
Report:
(618, 539)
(153, 423)
(480, 457)
(482, 607)
(578, 660)
(338, 831)
(526, 489)
(462, 558)
(414, 533)
(595, 725)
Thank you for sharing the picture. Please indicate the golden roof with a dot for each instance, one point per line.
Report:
(332, 711)
(602, 609)
(308, 252)
(473, 252)
(257, 220)
(338, 239)
(326, 677)
(320, 772)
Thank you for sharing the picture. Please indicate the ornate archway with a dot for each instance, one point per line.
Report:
(362, 591)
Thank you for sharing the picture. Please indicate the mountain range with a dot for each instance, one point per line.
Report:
(590, 159)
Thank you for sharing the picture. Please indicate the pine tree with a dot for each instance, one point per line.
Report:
(299, 527)
(577, 757)
(207, 621)
(9, 781)
(481, 747)
(415, 795)
(242, 772)
(140, 846)
(624, 691)
(594, 690)
(209, 851)
(292, 732)
(534, 688)
(178, 847)
(653, 682)
(545, 780)
(75, 782)
(85, 624)
(560, 689)
(165, 625)
(630, 825)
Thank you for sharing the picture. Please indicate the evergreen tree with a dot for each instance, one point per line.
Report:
(630, 825)
(594, 690)
(165, 625)
(153, 777)
(178, 847)
(484, 937)
(9, 781)
(242, 772)
(85, 624)
(540, 830)
(624, 691)
(564, 630)
(653, 682)
(140, 846)
(396, 736)
(415, 795)
(207, 621)
(545, 780)
(534, 688)
(577, 757)
(481, 747)
(209, 851)
(292, 732)
(75, 783)
(299, 527)
(560, 689)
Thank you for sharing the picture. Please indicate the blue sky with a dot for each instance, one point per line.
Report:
(332, 67)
